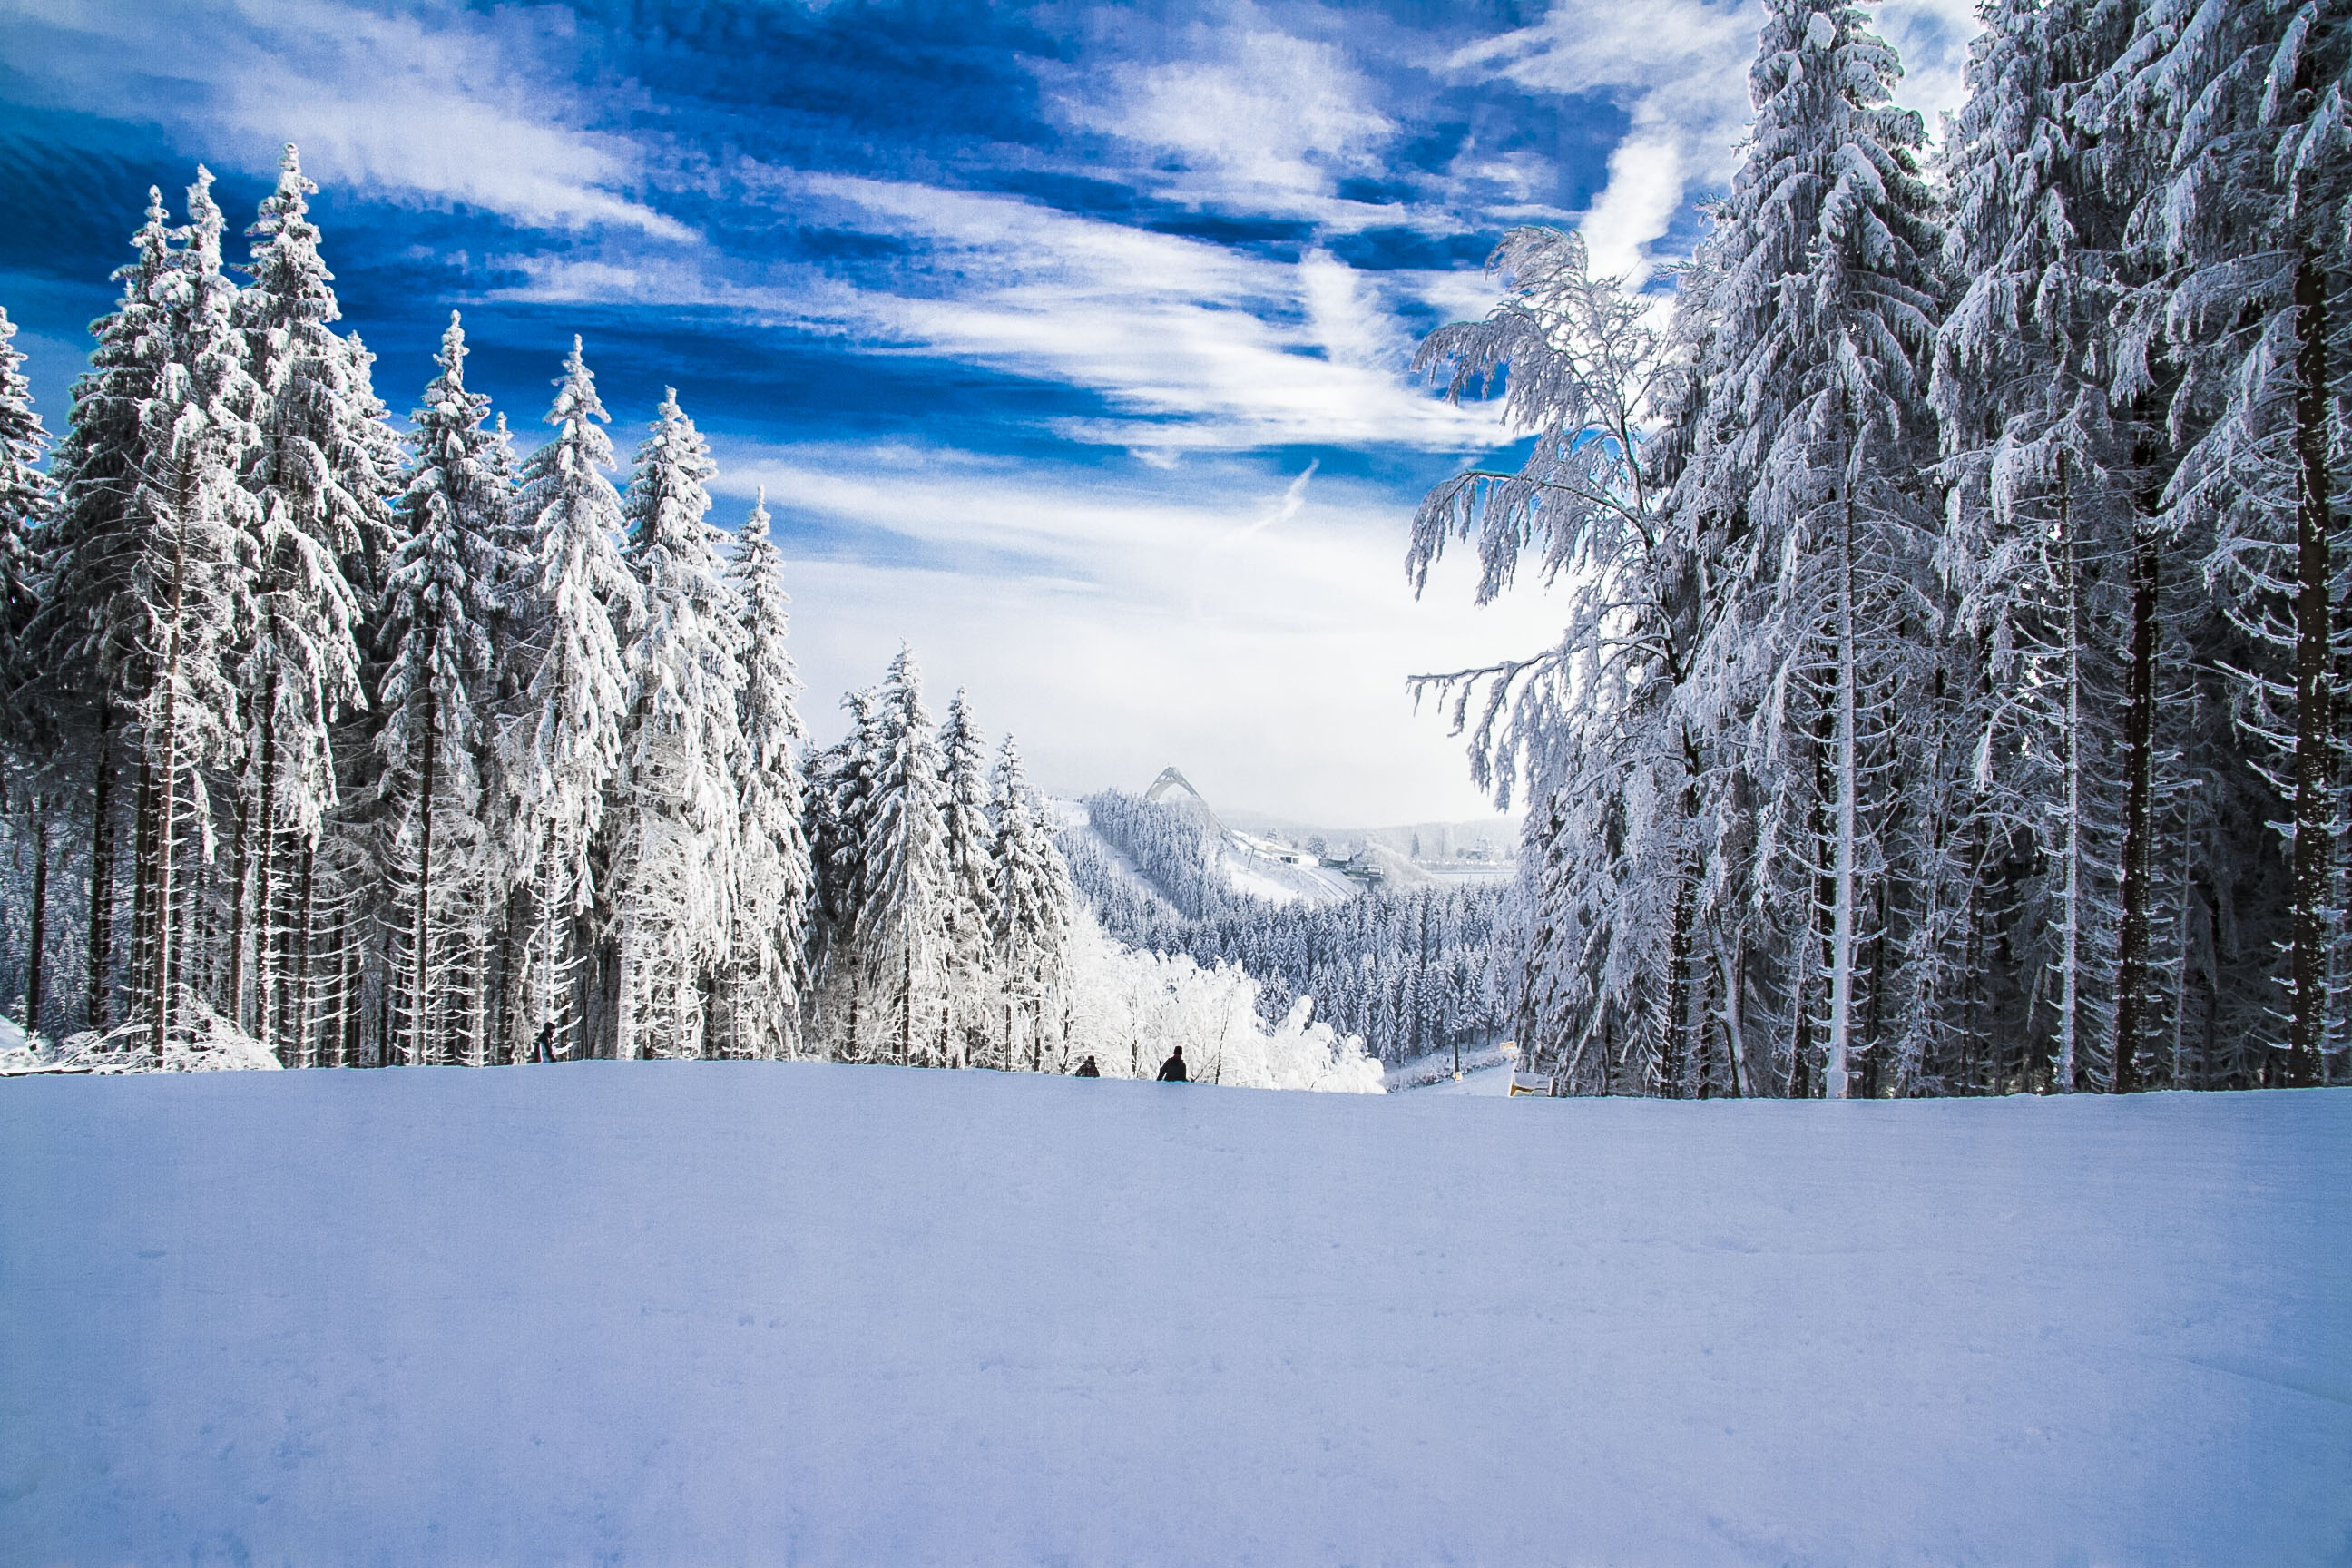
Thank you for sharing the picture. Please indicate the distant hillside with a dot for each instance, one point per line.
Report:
(1387, 952)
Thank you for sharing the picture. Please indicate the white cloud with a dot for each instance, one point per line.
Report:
(1254, 119)
(1681, 66)
(440, 112)
(1197, 346)
(1643, 196)
(1142, 627)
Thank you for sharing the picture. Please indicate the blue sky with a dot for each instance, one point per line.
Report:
(1069, 340)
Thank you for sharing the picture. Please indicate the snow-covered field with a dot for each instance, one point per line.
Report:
(690, 1314)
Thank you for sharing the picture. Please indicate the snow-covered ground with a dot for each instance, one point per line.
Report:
(1494, 1080)
(671, 1313)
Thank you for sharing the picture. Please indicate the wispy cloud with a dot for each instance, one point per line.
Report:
(1681, 66)
(1249, 118)
(441, 109)
(1198, 346)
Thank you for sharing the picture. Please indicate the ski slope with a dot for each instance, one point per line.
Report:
(690, 1312)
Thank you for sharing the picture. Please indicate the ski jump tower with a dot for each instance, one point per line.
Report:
(1170, 779)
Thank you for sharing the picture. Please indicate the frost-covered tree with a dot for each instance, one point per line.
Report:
(90, 663)
(675, 836)
(840, 789)
(570, 604)
(970, 887)
(1593, 728)
(2246, 105)
(1033, 906)
(194, 582)
(1802, 483)
(767, 972)
(319, 476)
(902, 924)
(435, 694)
(24, 508)
(24, 736)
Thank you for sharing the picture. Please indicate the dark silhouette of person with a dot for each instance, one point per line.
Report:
(546, 1051)
(1086, 1068)
(1172, 1070)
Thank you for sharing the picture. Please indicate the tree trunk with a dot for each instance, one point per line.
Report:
(625, 1020)
(39, 935)
(143, 873)
(1683, 1062)
(907, 1007)
(2070, 961)
(1845, 870)
(167, 826)
(2139, 870)
(298, 960)
(237, 917)
(102, 870)
(267, 1001)
(2314, 749)
(421, 941)
(1729, 962)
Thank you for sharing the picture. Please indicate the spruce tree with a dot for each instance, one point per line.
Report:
(194, 582)
(902, 925)
(435, 695)
(1804, 475)
(1032, 903)
(676, 838)
(320, 478)
(26, 737)
(767, 975)
(90, 664)
(840, 798)
(970, 892)
(572, 601)
(2248, 104)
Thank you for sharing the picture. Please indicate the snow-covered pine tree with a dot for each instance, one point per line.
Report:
(25, 784)
(2247, 105)
(194, 583)
(841, 790)
(971, 888)
(1820, 666)
(572, 601)
(435, 700)
(85, 646)
(902, 933)
(767, 972)
(1034, 907)
(319, 477)
(24, 508)
(676, 795)
(2039, 464)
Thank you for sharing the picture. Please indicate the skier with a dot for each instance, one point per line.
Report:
(1172, 1070)
(1086, 1068)
(546, 1049)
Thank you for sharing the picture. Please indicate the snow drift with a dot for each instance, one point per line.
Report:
(656, 1312)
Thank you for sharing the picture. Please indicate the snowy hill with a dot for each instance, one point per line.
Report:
(748, 1312)
(1246, 864)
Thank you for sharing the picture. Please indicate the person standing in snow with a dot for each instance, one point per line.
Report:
(1086, 1068)
(1172, 1070)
